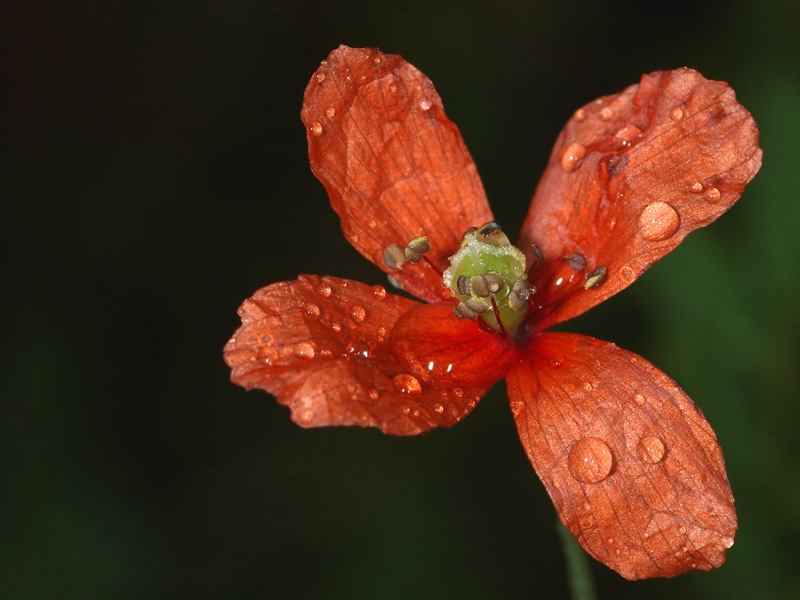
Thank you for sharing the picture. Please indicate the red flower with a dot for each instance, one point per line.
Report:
(633, 468)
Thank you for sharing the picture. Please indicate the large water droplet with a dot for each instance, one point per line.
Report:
(358, 348)
(306, 417)
(305, 350)
(425, 104)
(590, 460)
(572, 156)
(407, 384)
(324, 290)
(713, 195)
(651, 449)
(379, 292)
(580, 115)
(639, 399)
(357, 313)
(676, 114)
(659, 221)
(315, 127)
(606, 113)
(438, 408)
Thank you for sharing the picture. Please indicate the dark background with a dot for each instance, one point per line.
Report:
(155, 174)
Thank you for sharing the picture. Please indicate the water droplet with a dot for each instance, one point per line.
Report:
(377, 60)
(580, 115)
(353, 238)
(325, 353)
(320, 77)
(392, 88)
(676, 114)
(627, 274)
(606, 113)
(659, 221)
(330, 112)
(651, 449)
(358, 348)
(587, 387)
(373, 394)
(628, 135)
(587, 506)
(407, 384)
(425, 104)
(265, 339)
(696, 188)
(324, 290)
(379, 292)
(726, 541)
(438, 408)
(586, 524)
(458, 392)
(590, 460)
(572, 157)
(312, 310)
(306, 417)
(267, 354)
(381, 333)
(304, 350)
(557, 361)
(336, 327)
(713, 195)
(315, 127)
(516, 407)
(372, 224)
(639, 399)
(357, 313)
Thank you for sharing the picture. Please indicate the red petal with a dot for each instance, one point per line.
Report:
(629, 177)
(320, 344)
(633, 467)
(394, 165)
(446, 351)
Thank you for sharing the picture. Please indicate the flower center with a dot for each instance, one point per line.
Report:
(487, 276)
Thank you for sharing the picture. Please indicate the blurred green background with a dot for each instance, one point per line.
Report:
(155, 174)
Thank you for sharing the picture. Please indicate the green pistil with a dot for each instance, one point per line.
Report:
(487, 276)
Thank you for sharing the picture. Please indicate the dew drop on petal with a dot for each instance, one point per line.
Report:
(357, 313)
(267, 354)
(606, 113)
(312, 310)
(572, 157)
(265, 339)
(324, 290)
(330, 112)
(458, 392)
(696, 188)
(580, 115)
(651, 449)
(306, 417)
(425, 104)
(712, 195)
(557, 361)
(379, 292)
(676, 114)
(659, 221)
(336, 327)
(587, 387)
(590, 460)
(516, 407)
(627, 274)
(358, 348)
(381, 333)
(373, 394)
(304, 350)
(320, 77)
(639, 399)
(372, 224)
(315, 127)
(438, 408)
(407, 384)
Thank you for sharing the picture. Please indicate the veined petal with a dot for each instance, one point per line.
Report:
(632, 466)
(445, 351)
(320, 345)
(629, 177)
(394, 165)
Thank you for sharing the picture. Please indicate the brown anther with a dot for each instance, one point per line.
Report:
(393, 256)
(468, 236)
(416, 248)
(477, 306)
(520, 292)
(478, 285)
(595, 278)
(537, 253)
(491, 233)
(462, 312)
(494, 281)
(462, 284)
(576, 262)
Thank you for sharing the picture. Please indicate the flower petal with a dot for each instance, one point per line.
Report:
(633, 467)
(629, 177)
(320, 344)
(394, 165)
(445, 351)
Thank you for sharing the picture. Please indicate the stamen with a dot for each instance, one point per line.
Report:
(463, 285)
(520, 292)
(576, 262)
(436, 269)
(477, 306)
(416, 248)
(393, 256)
(479, 286)
(494, 281)
(537, 253)
(497, 317)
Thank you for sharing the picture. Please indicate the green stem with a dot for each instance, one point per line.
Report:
(579, 574)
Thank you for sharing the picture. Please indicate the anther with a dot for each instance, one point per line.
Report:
(595, 278)
(468, 236)
(462, 284)
(416, 248)
(520, 292)
(477, 306)
(478, 285)
(576, 261)
(490, 233)
(537, 253)
(494, 281)
(393, 257)
(462, 312)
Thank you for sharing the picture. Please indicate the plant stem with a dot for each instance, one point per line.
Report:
(579, 574)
